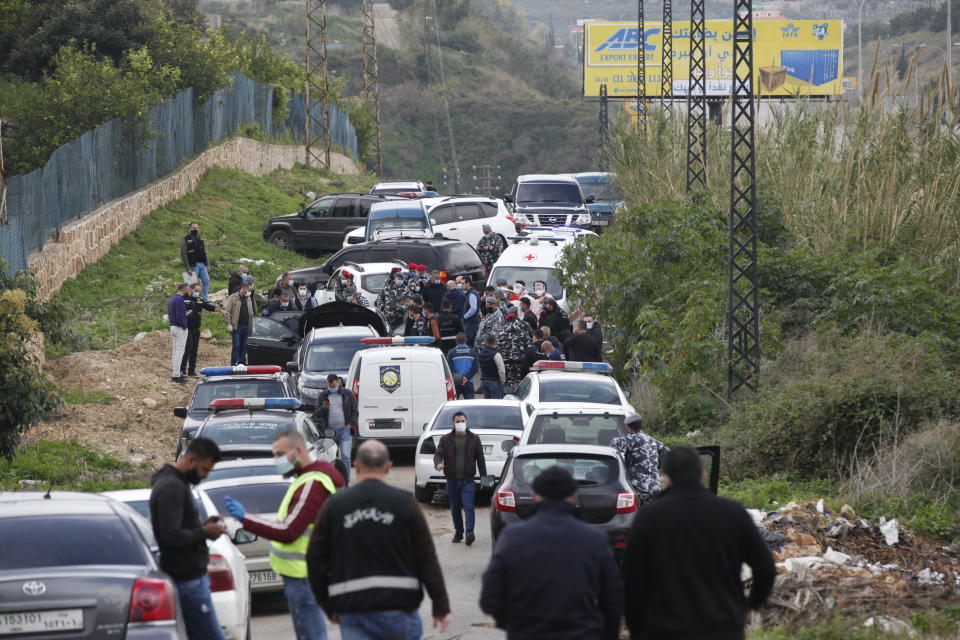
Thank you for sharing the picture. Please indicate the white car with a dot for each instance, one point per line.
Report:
(584, 382)
(393, 188)
(229, 581)
(494, 421)
(369, 278)
(460, 218)
(574, 423)
(260, 495)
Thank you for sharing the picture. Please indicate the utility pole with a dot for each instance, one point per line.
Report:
(486, 178)
(3, 182)
(641, 72)
(371, 79)
(743, 295)
(860, 48)
(697, 101)
(603, 126)
(446, 101)
(318, 86)
(949, 44)
(666, 68)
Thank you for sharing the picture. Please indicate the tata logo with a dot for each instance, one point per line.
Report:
(820, 30)
(628, 39)
(790, 30)
(34, 588)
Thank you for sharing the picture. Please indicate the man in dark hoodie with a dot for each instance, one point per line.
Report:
(182, 538)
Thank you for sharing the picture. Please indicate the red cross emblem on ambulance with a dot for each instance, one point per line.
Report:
(530, 257)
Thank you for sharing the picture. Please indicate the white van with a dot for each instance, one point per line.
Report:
(534, 258)
(398, 388)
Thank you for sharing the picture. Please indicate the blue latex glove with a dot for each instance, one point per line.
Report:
(235, 509)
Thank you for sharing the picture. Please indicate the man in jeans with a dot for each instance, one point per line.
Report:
(181, 537)
(240, 309)
(464, 364)
(459, 455)
(371, 555)
(289, 534)
(337, 409)
(493, 372)
(193, 252)
(177, 315)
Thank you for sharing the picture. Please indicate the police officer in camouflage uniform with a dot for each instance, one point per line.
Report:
(641, 455)
(353, 295)
(489, 247)
(344, 280)
(492, 323)
(514, 339)
(388, 302)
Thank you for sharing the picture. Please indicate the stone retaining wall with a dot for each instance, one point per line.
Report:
(87, 239)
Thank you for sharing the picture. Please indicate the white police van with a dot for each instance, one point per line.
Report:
(399, 387)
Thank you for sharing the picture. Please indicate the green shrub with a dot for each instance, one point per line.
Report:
(66, 464)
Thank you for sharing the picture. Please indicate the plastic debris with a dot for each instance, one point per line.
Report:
(836, 557)
(891, 532)
(889, 624)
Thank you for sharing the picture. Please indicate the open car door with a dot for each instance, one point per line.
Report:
(275, 338)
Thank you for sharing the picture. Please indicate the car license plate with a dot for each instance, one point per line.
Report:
(487, 449)
(264, 577)
(601, 223)
(386, 424)
(37, 621)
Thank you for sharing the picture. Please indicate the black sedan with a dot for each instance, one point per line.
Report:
(604, 497)
(81, 566)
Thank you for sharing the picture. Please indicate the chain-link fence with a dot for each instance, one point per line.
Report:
(111, 160)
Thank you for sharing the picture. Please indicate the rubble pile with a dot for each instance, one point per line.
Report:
(830, 563)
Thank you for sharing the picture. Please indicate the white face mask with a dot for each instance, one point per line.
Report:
(247, 294)
(289, 283)
(303, 293)
(539, 290)
(460, 427)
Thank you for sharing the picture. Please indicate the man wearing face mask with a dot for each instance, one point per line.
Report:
(182, 538)
(279, 303)
(459, 455)
(289, 534)
(489, 247)
(434, 290)
(287, 286)
(471, 310)
(455, 296)
(345, 280)
(193, 252)
(388, 302)
(492, 323)
(195, 307)
(240, 310)
(337, 409)
(304, 301)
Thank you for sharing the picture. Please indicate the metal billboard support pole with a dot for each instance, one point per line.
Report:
(666, 68)
(697, 101)
(604, 125)
(371, 79)
(641, 72)
(317, 85)
(743, 296)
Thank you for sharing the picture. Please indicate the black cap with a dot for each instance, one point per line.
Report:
(555, 483)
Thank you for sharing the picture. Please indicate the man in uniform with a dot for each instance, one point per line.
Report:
(195, 308)
(489, 247)
(641, 455)
(388, 302)
(492, 323)
(289, 534)
(514, 340)
(352, 294)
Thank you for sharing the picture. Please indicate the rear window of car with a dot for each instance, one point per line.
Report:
(256, 498)
(332, 356)
(143, 506)
(67, 541)
(586, 470)
(225, 473)
(597, 391)
(245, 432)
(207, 392)
(374, 282)
(482, 417)
(599, 429)
(459, 257)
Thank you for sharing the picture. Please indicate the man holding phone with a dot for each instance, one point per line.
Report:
(338, 410)
(182, 538)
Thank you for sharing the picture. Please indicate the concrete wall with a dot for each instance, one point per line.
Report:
(86, 240)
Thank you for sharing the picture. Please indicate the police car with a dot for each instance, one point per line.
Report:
(584, 382)
(577, 423)
(247, 427)
(399, 387)
(266, 381)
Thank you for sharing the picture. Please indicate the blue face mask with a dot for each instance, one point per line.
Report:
(283, 465)
(334, 389)
(195, 294)
(459, 286)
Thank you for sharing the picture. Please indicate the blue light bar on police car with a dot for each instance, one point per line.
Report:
(240, 369)
(255, 403)
(598, 367)
(399, 340)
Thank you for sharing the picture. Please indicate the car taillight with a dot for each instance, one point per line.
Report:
(512, 219)
(221, 578)
(152, 600)
(356, 389)
(626, 502)
(506, 500)
(451, 393)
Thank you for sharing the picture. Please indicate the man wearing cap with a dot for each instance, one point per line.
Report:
(514, 340)
(459, 455)
(642, 456)
(489, 247)
(553, 575)
(240, 309)
(388, 302)
(492, 322)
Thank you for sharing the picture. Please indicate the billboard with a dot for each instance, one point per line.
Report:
(790, 57)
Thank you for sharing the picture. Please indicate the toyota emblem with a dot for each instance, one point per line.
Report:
(34, 588)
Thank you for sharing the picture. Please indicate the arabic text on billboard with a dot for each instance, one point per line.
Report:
(791, 57)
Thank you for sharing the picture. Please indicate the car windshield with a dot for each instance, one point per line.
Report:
(143, 507)
(599, 390)
(256, 498)
(246, 471)
(601, 191)
(482, 417)
(258, 431)
(208, 391)
(41, 542)
(549, 192)
(530, 275)
(332, 356)
(586, 470)
(590, 428)
(374, 282)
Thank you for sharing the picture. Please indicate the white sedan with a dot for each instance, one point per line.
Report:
(495, 421)
(229, 581)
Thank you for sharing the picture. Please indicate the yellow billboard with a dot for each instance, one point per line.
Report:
(790, 57)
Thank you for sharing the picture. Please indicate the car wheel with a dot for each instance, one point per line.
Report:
(423, 494)
(281, 239)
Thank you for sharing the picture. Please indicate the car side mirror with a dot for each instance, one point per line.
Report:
(242, 536)
(590, 199)
(433, 221)
(180, 412)
(508, 198)
(354, 240)
(627, 393)
(293, 367)
(508, 445)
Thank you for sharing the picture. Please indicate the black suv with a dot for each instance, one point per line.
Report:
(455, 257)
(322, 224)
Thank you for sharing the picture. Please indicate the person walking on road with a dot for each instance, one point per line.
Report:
(459, 455)
(642, 455)
(182, 538)
(493, 372)
(177, 316)
(464, 363)
(193, 252)
(337, 409)
(290, 533)
(240, 309)
(581, 346)
(684, 555)
(195, 307)
(471, 310)
(553, 576)
(371, 555)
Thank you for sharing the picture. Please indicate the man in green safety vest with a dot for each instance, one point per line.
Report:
(290, 533)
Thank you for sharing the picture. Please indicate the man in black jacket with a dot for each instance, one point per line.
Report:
(459, 454)
(183, 539)
(581, 346)
(195, 308)
(337, 410)
(553, 576)
(236, 280)
(371, 555)
(684, 553)
(193, 252)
